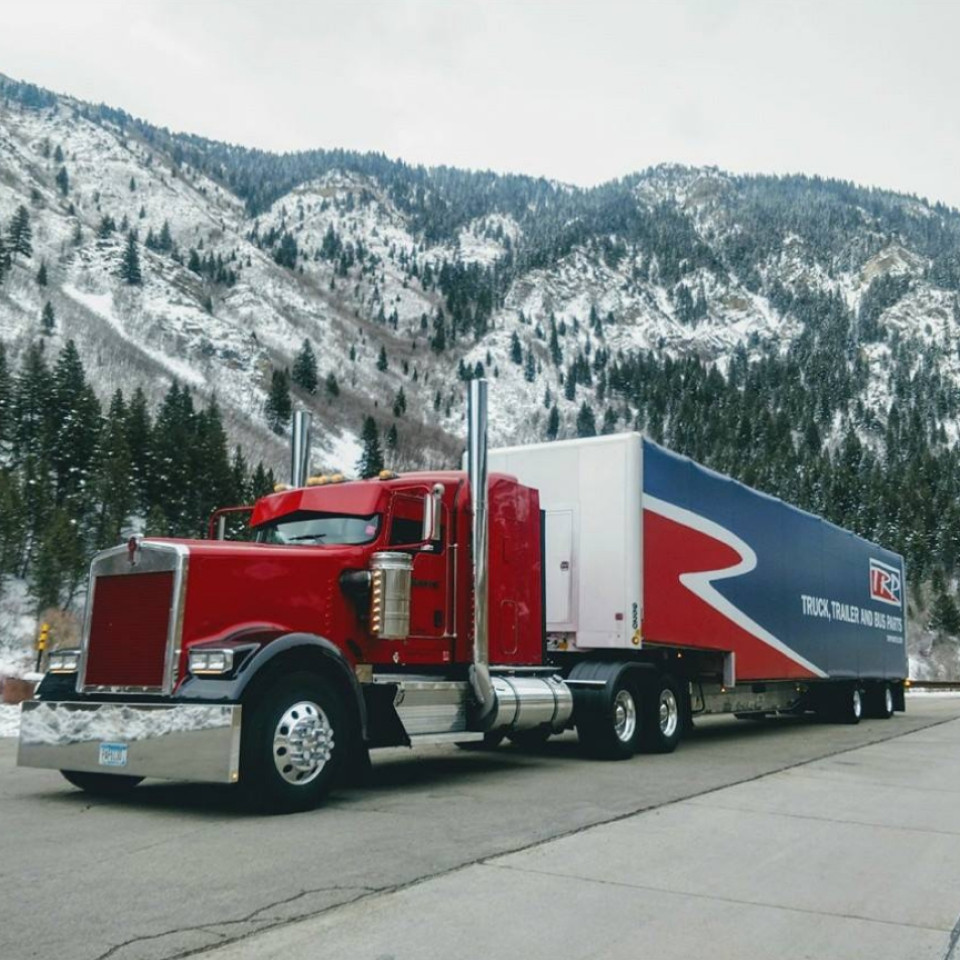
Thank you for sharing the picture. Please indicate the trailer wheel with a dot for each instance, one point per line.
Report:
(294, 744)
(662, 721)
(879, 702)
(609, 729)
(101, 784)
(848, 704)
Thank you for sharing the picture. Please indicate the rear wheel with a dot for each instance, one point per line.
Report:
(662, 721)
(847, 706)
(879, 702)
(101, 784)
(294, 744)
(610, 729)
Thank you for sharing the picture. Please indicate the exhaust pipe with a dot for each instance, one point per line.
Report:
(300, 449)
(477, 475)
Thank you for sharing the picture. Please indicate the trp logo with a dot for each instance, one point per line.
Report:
(885, 583)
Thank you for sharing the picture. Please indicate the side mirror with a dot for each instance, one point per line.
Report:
(432, 515)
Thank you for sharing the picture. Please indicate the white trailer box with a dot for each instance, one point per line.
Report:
(590, 492)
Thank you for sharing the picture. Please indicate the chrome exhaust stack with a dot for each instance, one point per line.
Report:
(509, 703)
(477, 475)
(300, 449)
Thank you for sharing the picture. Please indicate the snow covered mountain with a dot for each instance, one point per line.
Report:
(679, 261)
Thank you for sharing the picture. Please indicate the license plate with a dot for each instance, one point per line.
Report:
(113, 754)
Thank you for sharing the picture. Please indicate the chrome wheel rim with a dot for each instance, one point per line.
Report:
(624, 716)
(888, 700)
(857, 703)
(302, 743)
(669, 713)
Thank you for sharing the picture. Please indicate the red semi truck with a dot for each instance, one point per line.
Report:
(604, 584)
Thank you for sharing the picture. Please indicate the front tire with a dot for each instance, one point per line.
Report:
(101, 784)
(294, 745)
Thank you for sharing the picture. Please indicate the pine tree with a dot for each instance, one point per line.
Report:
(20, 235)
(113, 484)
(609, 421)
(138, 436)
(48, 319)
(59, 562)
(75, 416)
(130, 264)
(304, 373)
(32, 401)
(165, 243)
(6, 261)
(553, 423)
(400, 403)
(63, 181)
(279, 407)
(516, 351)
(586, 421)
(371, 457)
(529, 367)
(382, 359)
(331, 385)
(42, 274)
(6, 401)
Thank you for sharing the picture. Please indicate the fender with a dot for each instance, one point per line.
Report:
(232, 689)
(592, 681)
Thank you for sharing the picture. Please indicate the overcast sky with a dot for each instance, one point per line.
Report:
(577, 91)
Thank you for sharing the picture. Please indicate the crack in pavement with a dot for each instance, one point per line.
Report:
(249, 918)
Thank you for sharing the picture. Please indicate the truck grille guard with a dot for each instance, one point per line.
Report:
(130, 560)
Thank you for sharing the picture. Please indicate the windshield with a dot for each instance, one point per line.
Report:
(325, 528)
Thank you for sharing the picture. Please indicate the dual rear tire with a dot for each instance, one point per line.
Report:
(634, 713)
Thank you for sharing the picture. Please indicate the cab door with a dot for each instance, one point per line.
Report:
(429, 590)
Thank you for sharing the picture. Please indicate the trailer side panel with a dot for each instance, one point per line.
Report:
(728, 568)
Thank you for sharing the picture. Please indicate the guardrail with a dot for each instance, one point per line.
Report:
(933, 685)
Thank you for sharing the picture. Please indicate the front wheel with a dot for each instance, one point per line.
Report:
(101, 784)
(662, 722)
(294, 744)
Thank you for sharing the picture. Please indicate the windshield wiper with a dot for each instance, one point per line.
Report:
(306, 536)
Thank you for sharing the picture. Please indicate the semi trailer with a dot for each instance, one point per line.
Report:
(602, 584)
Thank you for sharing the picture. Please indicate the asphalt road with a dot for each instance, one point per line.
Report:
(176, 869)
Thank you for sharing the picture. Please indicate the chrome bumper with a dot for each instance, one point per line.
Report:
(184, 741)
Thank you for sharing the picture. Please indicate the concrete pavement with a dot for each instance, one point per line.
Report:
(853, 856)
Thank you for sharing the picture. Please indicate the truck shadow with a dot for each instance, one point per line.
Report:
(396, 769)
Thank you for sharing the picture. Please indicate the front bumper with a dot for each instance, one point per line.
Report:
(182, 741)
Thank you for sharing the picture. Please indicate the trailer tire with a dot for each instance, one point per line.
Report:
(879, 702)
(609, 728)
(294, 744)
(661, 724)
(100, 784)
(847, 706)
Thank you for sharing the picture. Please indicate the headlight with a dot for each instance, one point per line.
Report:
(63, 661)
(210, 662)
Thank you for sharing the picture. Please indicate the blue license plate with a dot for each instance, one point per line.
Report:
(113, 754)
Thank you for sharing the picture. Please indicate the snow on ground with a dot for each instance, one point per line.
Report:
(9, 719)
